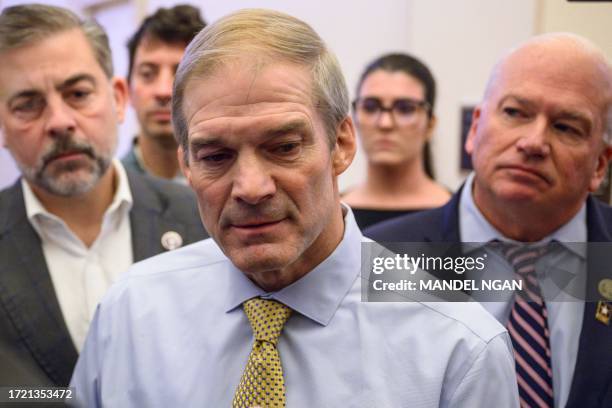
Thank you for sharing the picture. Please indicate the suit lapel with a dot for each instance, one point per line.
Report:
(27, 294)
(148, 220)
(450, 219)
(595, 338)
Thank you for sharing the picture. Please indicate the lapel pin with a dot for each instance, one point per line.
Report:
(605, 288)
(171, 240)
(603, 312)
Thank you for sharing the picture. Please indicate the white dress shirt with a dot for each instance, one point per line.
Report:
(172, 333)
(565, 314)
(81, 275)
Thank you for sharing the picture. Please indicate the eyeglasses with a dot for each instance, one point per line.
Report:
(404, 110)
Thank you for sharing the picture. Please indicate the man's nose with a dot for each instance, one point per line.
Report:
(59, 118)
(534, 141)
(252, 180)
(163, 88)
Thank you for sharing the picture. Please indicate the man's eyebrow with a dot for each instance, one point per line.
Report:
(30, 93)
(202, 142)
(576, 116)
(199, 142)
(148, 64)
(565, 113)
(516, 98)
(295, 126)
(74, 80)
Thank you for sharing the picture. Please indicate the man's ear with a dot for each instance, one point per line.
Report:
(120, 94)
(183, 164)
(344, 150)
(601, 168)
(470, 140)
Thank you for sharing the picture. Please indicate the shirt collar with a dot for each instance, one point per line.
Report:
(318, 294)
(35, 209)
(123, 193)
(475, 228)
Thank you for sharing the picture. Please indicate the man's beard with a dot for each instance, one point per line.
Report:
(58, 178)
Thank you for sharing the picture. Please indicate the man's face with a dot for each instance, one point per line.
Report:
(155, 63)
(59, 113)
(537, 139)
(261, 165)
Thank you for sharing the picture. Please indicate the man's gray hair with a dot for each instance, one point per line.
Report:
(267, 36)
(27, 24)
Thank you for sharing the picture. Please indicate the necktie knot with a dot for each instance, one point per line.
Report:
(522, 257)
(267, 318)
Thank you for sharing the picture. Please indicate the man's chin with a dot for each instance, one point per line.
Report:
(163, 137)
(257, 259)
(69, 183)
(69, 187)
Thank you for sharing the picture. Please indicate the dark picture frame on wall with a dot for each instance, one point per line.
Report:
(466, 122)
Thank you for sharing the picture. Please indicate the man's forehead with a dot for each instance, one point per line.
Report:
(41, 81)
(557, 60)
(58, 53)
(150, 43)
(239, 83)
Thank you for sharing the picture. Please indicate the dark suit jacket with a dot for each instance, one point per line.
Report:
(35, 345)
(592, 382)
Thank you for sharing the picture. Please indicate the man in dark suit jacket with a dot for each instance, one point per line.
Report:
(75, 205)
(540, 143)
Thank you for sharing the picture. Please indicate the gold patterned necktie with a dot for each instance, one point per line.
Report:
(262, 381)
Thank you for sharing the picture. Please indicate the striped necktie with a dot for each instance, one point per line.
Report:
(262, 382)
(528, 328)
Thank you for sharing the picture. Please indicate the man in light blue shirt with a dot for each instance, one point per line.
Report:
(261, 117)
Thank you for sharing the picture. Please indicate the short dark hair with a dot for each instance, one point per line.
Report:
(176, 25)
(415, 68)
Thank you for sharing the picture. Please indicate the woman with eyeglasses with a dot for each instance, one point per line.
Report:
(394, 117)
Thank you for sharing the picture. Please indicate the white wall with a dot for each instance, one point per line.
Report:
(592, 20)
(459, 39)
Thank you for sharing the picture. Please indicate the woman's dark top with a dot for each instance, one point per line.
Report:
(369, 216)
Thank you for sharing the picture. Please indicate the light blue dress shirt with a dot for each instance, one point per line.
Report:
(564, 314)
(172, 333)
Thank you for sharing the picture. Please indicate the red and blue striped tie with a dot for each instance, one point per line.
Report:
(528, 328)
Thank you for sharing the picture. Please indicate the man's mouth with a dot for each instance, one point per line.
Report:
(259, 228)
(67, 155)
(256, 224)
(161, 115)
(527, 172)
